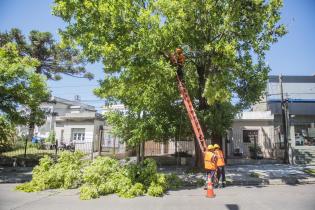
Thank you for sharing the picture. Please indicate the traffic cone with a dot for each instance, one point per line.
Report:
(210, 192)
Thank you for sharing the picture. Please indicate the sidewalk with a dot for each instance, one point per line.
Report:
(264, 174)
(15, 175)
(268, 174)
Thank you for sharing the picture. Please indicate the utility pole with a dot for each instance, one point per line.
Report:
(284, 123)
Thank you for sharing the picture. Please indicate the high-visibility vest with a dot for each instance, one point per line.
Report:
(220, 157)
(210, 161)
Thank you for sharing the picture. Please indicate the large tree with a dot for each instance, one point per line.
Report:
(226, 42)
(53, 58)
(22, 90)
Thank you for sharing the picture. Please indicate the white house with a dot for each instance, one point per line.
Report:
(73, 122)
(252, 129)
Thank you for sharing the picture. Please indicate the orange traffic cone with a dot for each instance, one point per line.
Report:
(210, 192)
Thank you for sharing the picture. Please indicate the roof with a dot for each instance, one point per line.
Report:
(254, 116)
(73, 103)
(292, 79)
(80, 116)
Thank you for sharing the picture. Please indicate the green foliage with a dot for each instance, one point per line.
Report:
(51, 137)
(66, 173)
(7, 135)
(53, 58)
(226, 42)
(100, 169)
(309, 171)
(88, 192)
(41, 176)
(103, 176)
(155, 190)
(200, 182)
(21, 89)
(173, 182)
(148, 172)
(129, 181)
(48, 59)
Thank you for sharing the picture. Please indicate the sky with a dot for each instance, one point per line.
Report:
(294, 54)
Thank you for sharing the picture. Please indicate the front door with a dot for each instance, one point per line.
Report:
(250, 138)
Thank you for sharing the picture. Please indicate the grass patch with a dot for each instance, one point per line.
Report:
(310, 171)
(29, 152)
(32, 157)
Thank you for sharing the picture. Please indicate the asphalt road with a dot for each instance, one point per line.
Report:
(231, 198)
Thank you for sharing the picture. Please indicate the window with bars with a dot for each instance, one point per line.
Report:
(249, 136)
(78, 134)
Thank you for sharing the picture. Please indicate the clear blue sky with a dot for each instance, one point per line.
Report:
(292, 55)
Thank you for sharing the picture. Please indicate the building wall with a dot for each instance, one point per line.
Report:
(89, 127)
(265, 139)
(111, 142)
(97, 138)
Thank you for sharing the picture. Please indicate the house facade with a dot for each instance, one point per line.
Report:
(263, 125)
(252, 130)
(74, 123)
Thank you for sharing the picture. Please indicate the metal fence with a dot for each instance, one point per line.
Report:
(28, 149)
(33, 151)
(184, 148)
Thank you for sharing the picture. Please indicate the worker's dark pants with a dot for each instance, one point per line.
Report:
(221, 173)
(210, 173)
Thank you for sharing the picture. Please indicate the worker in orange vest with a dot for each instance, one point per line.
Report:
(220, 164)
(210, 163)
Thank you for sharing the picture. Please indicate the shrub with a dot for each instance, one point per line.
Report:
(66, 173)
(101, 177)
(88, 192)
(155, 190)
(173, 181)
(51, 138)
(41, 177)
(7, 135)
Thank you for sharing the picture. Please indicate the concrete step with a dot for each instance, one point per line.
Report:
(305, 156)
(304, 163)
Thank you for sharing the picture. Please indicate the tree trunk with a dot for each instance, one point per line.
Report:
(142, 151)
(138, 153)
(31, 129)
(202, 106)
(198, 155)
(216, 138)
(201, 87)
(29, 137)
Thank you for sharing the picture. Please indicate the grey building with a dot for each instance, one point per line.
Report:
(299, 98)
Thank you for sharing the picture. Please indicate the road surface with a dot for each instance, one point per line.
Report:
(231, 198)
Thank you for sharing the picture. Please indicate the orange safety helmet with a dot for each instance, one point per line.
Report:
(179, 50)
(210, 147)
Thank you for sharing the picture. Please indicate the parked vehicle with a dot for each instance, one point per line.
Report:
(70, 146)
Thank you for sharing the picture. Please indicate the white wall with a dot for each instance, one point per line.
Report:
(89, 127)
(265, 137)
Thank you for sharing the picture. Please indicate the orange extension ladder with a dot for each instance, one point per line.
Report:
(192, 115)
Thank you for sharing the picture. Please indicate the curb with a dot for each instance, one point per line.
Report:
(286, 181)
(10, 181)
